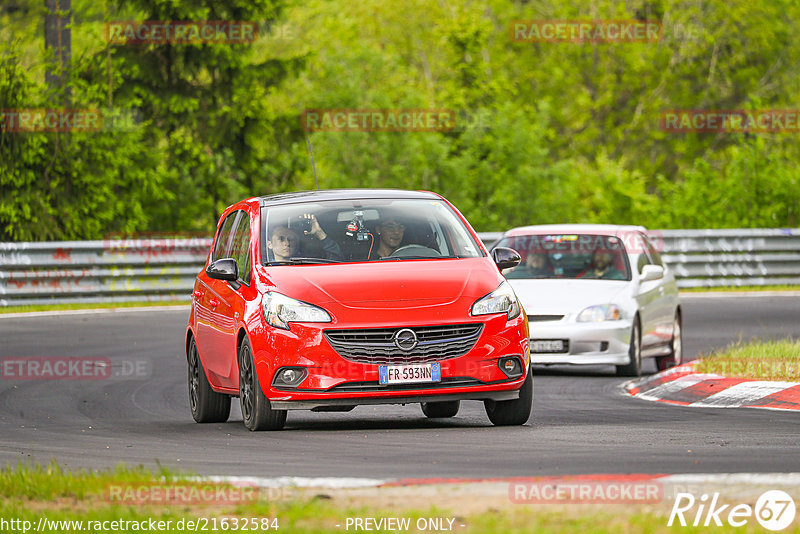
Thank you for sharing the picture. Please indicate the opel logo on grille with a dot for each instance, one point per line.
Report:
(405, 339)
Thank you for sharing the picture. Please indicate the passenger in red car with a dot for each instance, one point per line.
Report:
(284, 241)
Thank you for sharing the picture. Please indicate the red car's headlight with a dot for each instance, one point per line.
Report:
(503, 299)
(280, 310)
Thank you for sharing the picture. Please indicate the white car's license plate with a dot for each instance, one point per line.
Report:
(406, 374)
(547, 345)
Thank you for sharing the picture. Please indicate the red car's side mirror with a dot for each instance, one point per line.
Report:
(223, 269)
(506, 258)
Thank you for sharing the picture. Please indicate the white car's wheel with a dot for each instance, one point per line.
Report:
(675, 357)
(634, 366)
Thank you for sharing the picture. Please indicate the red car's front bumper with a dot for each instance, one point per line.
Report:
(335, 381)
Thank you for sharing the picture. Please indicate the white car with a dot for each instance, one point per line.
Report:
(596, 294)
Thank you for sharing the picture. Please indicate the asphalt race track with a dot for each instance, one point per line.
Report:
(581, 422)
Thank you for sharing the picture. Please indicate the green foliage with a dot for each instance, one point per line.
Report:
(75, 185)
(546, 132)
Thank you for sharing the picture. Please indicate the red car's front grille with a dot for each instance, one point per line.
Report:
(377, 345)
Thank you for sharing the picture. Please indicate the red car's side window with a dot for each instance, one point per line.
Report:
(222, 246)
(241, 248)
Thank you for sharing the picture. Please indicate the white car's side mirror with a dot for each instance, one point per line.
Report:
(651, 272)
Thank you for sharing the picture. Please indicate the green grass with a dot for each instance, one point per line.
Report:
(779, 287)
(29, 493)
(90, 306)
(37, 482)
(761, 360)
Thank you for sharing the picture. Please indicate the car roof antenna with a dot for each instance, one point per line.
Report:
(313, 165)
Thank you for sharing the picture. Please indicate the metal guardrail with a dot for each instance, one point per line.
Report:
(119, 270)
(116, 270)
(749, 257)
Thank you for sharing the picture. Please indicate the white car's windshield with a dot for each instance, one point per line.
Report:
(577, 256)
(363, 230)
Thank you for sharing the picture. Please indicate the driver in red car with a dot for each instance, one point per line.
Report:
(390, 234)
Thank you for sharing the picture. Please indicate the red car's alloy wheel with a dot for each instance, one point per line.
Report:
(207, 405)
(257, 413)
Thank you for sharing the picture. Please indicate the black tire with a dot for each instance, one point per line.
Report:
(675, 357)
(257, 413)
(634, 367)
(207, 405)
(512, 412)
(440, 409)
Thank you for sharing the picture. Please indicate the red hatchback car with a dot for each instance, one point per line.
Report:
(324, 300)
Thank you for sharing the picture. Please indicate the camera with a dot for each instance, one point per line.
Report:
(301, 224)
(356, 227)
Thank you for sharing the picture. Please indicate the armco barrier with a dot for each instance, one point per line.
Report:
(121, 270)
(749, 257)
(115, 270)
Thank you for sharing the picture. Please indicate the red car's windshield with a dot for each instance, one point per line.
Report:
(363, 230)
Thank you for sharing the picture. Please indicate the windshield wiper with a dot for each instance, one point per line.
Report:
(303, 261)
(419, 257)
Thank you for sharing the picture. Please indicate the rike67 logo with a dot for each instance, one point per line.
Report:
(774, 510)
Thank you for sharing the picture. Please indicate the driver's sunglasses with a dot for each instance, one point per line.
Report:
(392, 227)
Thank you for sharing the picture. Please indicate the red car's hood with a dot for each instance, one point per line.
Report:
(388, 285)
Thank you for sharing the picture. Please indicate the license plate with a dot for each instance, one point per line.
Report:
(408, 374)
(548, 345)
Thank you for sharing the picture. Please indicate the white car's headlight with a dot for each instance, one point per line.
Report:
(501, 300)
(280, 310)
(596, 314)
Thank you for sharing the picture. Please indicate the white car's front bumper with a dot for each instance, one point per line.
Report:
(588, 343)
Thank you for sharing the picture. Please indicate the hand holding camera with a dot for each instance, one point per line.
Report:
(310, 226)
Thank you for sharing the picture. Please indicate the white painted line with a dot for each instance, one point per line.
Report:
(743, 393)
(658, 392)
(734, 294)
(54, 313)
(728, 479)
(685, 479)
(298, 482)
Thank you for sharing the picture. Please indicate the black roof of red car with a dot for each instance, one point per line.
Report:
(341, 194)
